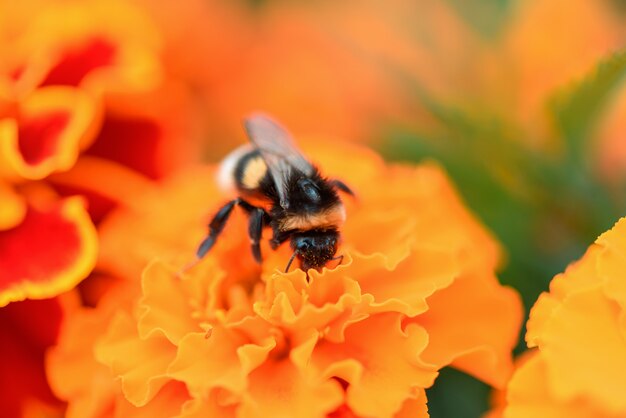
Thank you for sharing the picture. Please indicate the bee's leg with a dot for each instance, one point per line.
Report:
(215, 227)
(255, 230)
(278, 238)
(219, 221)
(340, 185)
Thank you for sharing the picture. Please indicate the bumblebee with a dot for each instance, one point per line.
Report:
(280, 189)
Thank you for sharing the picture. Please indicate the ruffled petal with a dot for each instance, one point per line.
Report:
(166, 307)
(422, 207)
(49, 252)
(53, 126)
(414, 408)
(141, 364)
(411, 408)
(208, 407)
(577, 277)
(600, 375)
(167, 403)
(529, 395)
(206, 363)
(612, 265)
(456, 327)
(72, 359)
(382, 372)
(322, 302)
(403, 287)
(279, 389)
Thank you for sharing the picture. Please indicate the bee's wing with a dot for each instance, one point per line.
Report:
(280, 153)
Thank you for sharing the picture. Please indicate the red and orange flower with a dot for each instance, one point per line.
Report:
(416, 292)
(72, 84)
(81, 114)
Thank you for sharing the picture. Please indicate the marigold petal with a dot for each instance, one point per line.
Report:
(141, 364)
(167, 403)
(13, 208)
(457, 332)
(612, 264)
(106, 179)
(66, 365)
(597, 330)
(578, 276)
(280, 389)
(134, 142)
(49, 252)
(165, 305)
(423, 208)
(365, 164)
(35, 408)
(414, 408)
(191, 195)
(77, 62)
(390, 366)
(395, 229)
(529, 395)
(54, 125)
(105, 46)
(207, 407)
(205, 363)
(293, 303)
(73, 372)
(404, 287)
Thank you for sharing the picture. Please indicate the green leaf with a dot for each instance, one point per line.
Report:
(457, 395)
(575, 109)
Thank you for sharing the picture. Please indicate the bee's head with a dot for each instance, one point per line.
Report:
(315, 248)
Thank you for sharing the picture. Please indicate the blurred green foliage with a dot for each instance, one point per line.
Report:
(457, 395)
(486, 16)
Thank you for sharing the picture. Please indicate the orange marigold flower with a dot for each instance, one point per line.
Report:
(416, 292)
(578, 368)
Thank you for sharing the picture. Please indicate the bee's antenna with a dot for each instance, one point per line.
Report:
(291, 261)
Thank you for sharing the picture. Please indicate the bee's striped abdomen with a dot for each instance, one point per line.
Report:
(250, 171)
(243, 170)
